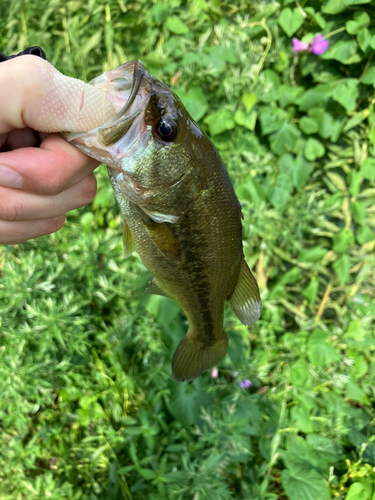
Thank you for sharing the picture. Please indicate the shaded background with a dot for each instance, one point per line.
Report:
(88, 409)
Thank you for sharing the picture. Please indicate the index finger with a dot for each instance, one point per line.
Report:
(50, 169)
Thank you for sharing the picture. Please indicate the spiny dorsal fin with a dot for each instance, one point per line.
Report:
(127, 238)
(245, 298)
(165, 239)
(155, 289)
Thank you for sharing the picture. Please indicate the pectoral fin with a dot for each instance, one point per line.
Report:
(159, 218)
(165, 239)
(127, 238)
(245, 299)
(154, 289)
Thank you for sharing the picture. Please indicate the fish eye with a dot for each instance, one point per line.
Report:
(166, 130)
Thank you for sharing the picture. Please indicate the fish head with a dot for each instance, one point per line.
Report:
(153, 149)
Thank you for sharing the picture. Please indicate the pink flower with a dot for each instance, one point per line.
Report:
(215, 372)
(319, 45)
(299, 46)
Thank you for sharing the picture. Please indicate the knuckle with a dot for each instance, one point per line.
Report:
(54, 185)
(9, 211)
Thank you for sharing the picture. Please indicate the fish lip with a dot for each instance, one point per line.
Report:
(120, 124)
(140, 76)
(138, 73)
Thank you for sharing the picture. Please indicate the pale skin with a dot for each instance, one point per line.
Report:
(39, 185)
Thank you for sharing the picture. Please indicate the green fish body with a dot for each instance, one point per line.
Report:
(179, 208)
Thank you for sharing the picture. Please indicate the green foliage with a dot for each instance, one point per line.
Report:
(88, 410)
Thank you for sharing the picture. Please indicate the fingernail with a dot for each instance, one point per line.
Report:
(10, 178)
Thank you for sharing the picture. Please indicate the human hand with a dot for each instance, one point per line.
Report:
(38, 185)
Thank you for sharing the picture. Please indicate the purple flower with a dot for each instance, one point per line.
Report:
(319, 45)
(245, 384)
(299, 46)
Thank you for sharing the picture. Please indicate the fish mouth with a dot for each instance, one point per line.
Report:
(111, 132)
(128, 88)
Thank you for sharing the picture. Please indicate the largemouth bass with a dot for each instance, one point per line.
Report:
(179, 208)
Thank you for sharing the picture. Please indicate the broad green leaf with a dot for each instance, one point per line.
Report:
(224, 53)
(316, 16)
(364, 235)
(333, 6)
(290, 20)
(343, 51)
(247, 120)
(312, 254)
(311, 291)
(358, 211)
(319, 351)
(360, 367)
(195, 102)
(355, 393)
(369, 75)
(289, 95)
(308, 125)
(251, 190)
(367, 169)
(316, 97)
(175, 25)
(357, 491)
(314, 149)
(148, 474)
(360, 20)
(220, 122)
(271, 119)
(346, 93)
(301, 419)
(302, 170)
(324, 121)
(305, 485)
(364, 39)
(299, 373)
(342, 240)
(249, 101)
(271, 85)
(290, 277)
(285, 139)
(341, 268)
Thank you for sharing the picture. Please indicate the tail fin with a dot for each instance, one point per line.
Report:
(193, 356)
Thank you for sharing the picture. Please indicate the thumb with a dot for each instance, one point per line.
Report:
(35, 94)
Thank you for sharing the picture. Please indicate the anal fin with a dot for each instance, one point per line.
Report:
(127, 238)
(245, 299)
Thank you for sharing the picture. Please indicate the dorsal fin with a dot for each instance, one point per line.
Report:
(165, 239)
(245, 299)
(127, 238)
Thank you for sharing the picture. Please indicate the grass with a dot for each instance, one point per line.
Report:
(88, 409)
